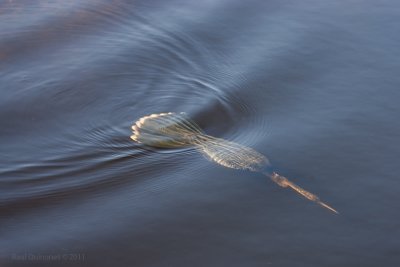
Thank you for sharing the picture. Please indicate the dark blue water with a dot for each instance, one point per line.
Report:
(313, 85)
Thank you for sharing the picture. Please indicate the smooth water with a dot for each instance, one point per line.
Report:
(313, 85)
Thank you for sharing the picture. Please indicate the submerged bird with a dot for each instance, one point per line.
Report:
(174, 130)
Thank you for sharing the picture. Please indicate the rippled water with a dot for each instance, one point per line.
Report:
(313, 85)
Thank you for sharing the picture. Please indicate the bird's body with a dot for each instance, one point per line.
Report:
(174, 130)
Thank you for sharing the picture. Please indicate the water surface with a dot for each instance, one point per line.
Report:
(313, 85)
